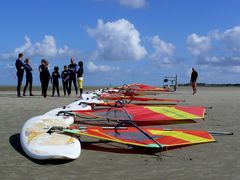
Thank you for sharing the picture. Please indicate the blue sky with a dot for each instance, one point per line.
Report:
(124, 41)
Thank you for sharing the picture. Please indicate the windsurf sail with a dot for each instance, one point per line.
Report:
(143, 87)
(115, 97)
(135, 89)
(145, 115)
(160, 138)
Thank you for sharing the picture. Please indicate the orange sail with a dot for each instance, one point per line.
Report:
(106, 96)
(143, 87)
(146, 115)
(155, 138)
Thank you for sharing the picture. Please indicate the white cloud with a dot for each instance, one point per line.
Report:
(101, 68)
(163, 50)
(235, 69)
(118, 40)
(135, 4)
(198, 45)
(216, 48)
(231, 39)
(9, 66)
(46, 48)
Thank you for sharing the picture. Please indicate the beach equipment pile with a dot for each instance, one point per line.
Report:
(119, 115)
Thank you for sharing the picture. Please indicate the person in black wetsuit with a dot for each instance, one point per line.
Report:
(29, 78)
(40, 69)
(80, 77)
(45, 78)
(194, 77)
(54, 80)
(72, 67)
(20, 71)
(65, 79)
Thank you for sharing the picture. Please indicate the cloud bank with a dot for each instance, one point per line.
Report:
(46, 48)
(134, 4)
(163, 51)
(216, 48)
(117, 40)
(101, 68)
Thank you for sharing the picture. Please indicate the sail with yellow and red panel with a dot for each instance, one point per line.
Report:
(151, 138)
(146, 115)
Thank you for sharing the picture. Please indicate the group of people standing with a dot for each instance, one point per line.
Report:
(71, 74)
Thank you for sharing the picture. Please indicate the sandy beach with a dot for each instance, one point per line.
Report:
(220, 160)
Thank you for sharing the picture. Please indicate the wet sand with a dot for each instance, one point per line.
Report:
(220, 160)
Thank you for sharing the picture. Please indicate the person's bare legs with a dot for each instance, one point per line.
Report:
(194, 87)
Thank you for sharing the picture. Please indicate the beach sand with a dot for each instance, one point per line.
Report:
(220, 160)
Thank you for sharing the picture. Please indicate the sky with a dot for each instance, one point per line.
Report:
(124, 41)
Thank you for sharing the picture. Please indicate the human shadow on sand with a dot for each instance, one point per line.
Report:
(14, 140)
